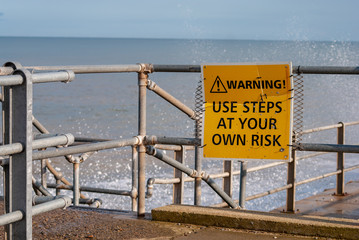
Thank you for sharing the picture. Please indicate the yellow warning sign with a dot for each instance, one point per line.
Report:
(247, 111)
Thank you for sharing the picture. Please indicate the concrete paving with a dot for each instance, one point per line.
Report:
(270, 222)
(324, 214)
(327, 204)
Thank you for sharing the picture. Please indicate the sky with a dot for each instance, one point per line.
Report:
(323, 20)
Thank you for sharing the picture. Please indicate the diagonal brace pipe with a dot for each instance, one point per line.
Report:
(192, 173)
(169, 98)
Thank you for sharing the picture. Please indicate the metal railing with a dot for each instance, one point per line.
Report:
(321, 149)
(18, 144)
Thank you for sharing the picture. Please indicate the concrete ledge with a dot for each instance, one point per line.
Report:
(261, 221)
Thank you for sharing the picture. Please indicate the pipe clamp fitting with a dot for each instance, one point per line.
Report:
(151, 85)
(71, 76)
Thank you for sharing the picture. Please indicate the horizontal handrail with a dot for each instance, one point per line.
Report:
(152, 139)
(319, 129)
(259, 195)
(85, 148)
(91, 189)
(13, 148)
(318, 147)
(319, 177)
(81, 69)
(61, 202)
(61, 76)
(295, 69)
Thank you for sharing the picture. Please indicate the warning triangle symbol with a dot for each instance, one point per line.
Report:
(218, 86)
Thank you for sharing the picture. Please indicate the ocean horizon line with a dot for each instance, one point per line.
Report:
(182, 39)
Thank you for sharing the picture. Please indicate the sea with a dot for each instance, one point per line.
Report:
(106, 106)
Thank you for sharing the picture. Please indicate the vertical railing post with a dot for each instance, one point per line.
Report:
(291, 179)
(198, 167)
(7, 139)
(7, 111)
(134, 193)
(340, 161)
(58, 182)
(21, 163)
(179, 187)
(242, 184)
(76, 182)
(43, 173)
(142, 85)
(228, 181)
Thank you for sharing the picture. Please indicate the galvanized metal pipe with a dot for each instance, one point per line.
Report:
(319, 177)
(340, 161)
(351, 168)
(39, 126)
(11, 80)
(161, 156)
(43, 199)
(134, 192)
(142, 85)
(43, 173)
(58, 176)
(152, 140)
(63, 139)
(258, 168)
(317, 147)
(58, 191)
(14, 148)
(166, 180)
(176, 68)
(220, 192)
(79, 69)
(10, 149)
(91, 189)
(40, 187)
(319, 129)
(76, 183)
(11, 217)
(295, 69)
(228, 180)
(86, 139)
(325, 70)
(20, 164)
(169, 98)
(220, 175)
(310, 155)
(61, 202)
(63, 76)
(85, 148)
(191, 172)
(259, 195)
(172, 147)
(197, 166)
(243, 184)
(178, 188)
(6, 70)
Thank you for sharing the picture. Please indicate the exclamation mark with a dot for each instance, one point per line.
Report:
(217, 86)
(283, 83)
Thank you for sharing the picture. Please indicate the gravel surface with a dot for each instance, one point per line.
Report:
(77, 223)
(87, 223)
